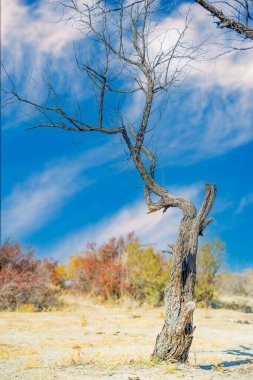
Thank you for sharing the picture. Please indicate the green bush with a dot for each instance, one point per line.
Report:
(209, 261)
(147, 272)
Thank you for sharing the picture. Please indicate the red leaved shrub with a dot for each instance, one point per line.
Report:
(111, 280)
(100, 271)
(25, 279)
(82, 272)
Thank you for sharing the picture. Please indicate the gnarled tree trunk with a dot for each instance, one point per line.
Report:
(152, 73)
(175, 339)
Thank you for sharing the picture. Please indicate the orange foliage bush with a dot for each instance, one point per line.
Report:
(100, 270)
(111, 280)
(25, 279)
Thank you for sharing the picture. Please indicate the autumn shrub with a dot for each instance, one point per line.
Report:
(25, 280)
(58, 273)
(82, 271)
(111, 281)
(147, 273)
(120, 267)
(100, 270)
(209, 261)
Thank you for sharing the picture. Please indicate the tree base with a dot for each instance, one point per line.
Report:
(173, 346)
(175, 339)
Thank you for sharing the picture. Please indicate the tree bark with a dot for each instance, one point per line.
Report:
(227, 21)
(175, 339)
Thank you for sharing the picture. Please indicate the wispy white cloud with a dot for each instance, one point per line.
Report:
(210, 124)
(245, 201)
(35, 26)
(214, 112)
(211, 64)
(34, 33)
(203, 123)
(37, 200)
(157, 229)
(31, 33)
(38, 48)
(222, 66)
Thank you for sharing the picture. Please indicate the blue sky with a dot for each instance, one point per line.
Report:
(61, 190)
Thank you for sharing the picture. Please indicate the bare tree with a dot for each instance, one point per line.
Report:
(137, 58)
(236, 15)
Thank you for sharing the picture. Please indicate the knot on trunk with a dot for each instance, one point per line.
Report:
(184, 319)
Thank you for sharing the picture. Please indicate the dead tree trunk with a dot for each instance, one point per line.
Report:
(151, 72)
(175, 339)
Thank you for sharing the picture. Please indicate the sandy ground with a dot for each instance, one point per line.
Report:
(93, 341)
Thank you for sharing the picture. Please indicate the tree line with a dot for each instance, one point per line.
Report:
(118, 269)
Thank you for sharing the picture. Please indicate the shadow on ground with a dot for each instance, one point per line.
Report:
(242, 351)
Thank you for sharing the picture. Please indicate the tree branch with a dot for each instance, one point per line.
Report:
(225, 21)
(133, 59)
(79, 126)
(207, 204)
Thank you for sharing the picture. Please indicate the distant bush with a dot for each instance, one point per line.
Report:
(209, 261)
(57, 273)
(100, 271)
(120, 267)
(25, 280)
(147, 272)
(239, 284)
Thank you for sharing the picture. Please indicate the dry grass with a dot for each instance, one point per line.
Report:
(84, 321)
(26, 308)
(92, 341)
(11, 352)
(171, 368)
(31, 363)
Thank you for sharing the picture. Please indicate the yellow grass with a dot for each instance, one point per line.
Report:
(31, 363)
(171, 368)
(12, 352)
(27, 308)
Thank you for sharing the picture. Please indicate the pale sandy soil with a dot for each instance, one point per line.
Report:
(92, 341)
